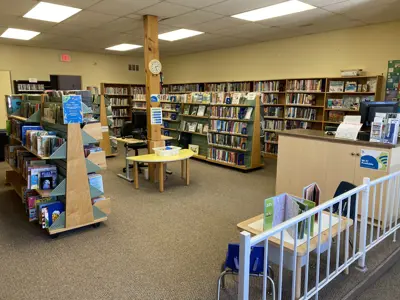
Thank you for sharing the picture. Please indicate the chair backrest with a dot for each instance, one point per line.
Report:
(127, 129)
(344, 187)
(256, 258)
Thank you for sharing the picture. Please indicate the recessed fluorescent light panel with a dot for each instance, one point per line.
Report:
(19, 34)
(51, 12)
(123, 47)
(273, 11)
(178, 35)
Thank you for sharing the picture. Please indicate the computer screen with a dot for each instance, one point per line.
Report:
(369, 109)
(139, 120)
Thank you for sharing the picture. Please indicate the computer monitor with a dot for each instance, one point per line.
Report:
(368, 109)
(139, 120)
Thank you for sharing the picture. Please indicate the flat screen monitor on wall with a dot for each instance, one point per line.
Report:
(65, 82)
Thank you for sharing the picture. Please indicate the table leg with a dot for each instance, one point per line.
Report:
(161, 176)
(126, 176)
(182, 169)
(298, 277)
(136, 171)
(187, 172)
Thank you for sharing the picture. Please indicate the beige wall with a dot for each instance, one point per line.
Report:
(324, 54)
(5, 89)
(30, 62)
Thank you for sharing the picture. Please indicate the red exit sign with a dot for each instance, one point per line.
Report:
(65, 57)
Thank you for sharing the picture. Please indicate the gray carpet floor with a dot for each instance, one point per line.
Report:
(154, 246)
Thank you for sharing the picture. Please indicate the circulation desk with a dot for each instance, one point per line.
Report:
(307, 156)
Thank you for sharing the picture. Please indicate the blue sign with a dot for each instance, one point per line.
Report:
(72, 107)
(155, 98)
(375, 160)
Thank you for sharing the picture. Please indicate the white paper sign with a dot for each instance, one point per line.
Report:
(349, 128)
(156, 115)
(33, 80)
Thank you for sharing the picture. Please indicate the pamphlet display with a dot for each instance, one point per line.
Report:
(72, 107)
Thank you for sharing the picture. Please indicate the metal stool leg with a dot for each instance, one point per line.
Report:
(221, 276)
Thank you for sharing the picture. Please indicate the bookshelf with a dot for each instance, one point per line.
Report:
(25, 86)
(171, 105)
(73, 187)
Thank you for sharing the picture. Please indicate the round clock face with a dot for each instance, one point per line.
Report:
(155, 66)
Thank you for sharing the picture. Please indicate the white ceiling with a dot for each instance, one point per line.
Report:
(104, 23)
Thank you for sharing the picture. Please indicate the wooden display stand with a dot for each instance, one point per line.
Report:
(73, 168)
(105, 140)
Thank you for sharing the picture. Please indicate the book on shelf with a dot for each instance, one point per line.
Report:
(336, 86)
(50, 213)
(371, 85)
(270, 137)
(186, 110)
(234, 142)
(272, 125)
(335, 103)
(199, 128)
(194, 110)
(296, 124)
(117, 91)
(229, 126)
(273, 111)
(301, 113)
(271, 148)
(336, 116)
(205, 128)
(226, 156)
(191, 126)
(248, 114)
(194, 148)
(270, 98)
(306, 85)
(301, 99)
(182, 126)
(201, 111)
(270, 86)
(351, 86)
(96, 180)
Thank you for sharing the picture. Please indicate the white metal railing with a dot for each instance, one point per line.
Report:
(339, 239)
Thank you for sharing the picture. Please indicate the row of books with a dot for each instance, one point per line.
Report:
(42, 177)
(271, 148)
(182, 88)
(140, 97)
(304, 99)
(169, 115)
(120, 112)
(226, 156)
(22, 87)
(272, 125)
(301, 113)
(119, 101)
(229, 87)
(116, 91)
(353, 86)
(229, 126)
(135, 90)
(348, 102)
(139, 105)
(117, 122)
(315, 85)
(193, 127)
(40, 141)
(232, 112)
(91, 149)
(229, 98)
(270, 137)
(273, 111)
(195, 110)
(28, 108)
(231, 141)
(171, 106)
(20, 159)
(54, 113)
(294, 124)
(270, 86)
(336, 116)
(270, 99)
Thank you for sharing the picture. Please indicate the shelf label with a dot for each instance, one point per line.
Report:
(373, 159)
(156, 115)
(32, 80)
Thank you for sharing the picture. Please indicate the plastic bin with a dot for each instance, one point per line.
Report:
(167, 151)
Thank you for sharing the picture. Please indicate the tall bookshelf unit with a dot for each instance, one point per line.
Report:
(73, 168)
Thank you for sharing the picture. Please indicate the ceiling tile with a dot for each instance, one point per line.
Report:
(196, 3)
(321, 3)
(122, 7)
(218, 24)
(65, 29)
(191, 18)
(89, 19)
(298, 19)
(122, 25)
(23, 23)
(75, 3)
(232, 7)
(165, 10)
(16, 7)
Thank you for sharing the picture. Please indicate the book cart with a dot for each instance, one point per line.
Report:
(73, 168)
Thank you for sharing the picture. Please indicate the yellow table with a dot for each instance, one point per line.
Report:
(131, 141)
(183, 156)
(255, 227)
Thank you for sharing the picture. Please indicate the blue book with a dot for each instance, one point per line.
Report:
(25, 128)
(51, 213)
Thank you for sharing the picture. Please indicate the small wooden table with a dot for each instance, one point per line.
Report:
(131, 141)
(183, 156)
(255, 227)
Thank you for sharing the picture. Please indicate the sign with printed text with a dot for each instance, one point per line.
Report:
(156, 115)
(72, 107)
(374, 159)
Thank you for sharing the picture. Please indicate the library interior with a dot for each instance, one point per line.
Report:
(199, 149)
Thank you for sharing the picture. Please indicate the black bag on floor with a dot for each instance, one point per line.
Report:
(184, 140)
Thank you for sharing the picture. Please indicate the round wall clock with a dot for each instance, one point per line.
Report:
(155, 66)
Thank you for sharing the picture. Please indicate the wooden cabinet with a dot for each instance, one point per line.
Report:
(302, 161)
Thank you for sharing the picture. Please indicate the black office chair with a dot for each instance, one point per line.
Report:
(128, 131)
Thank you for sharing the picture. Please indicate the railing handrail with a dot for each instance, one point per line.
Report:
(282, 226)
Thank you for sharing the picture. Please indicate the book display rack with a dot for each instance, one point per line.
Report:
(67, 193)
(25, 86)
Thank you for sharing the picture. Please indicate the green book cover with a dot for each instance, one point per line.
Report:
(268, 213)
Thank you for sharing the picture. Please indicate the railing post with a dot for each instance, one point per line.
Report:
(244, 265)
(363, 226)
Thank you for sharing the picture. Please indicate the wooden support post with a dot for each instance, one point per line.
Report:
(151, 52)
